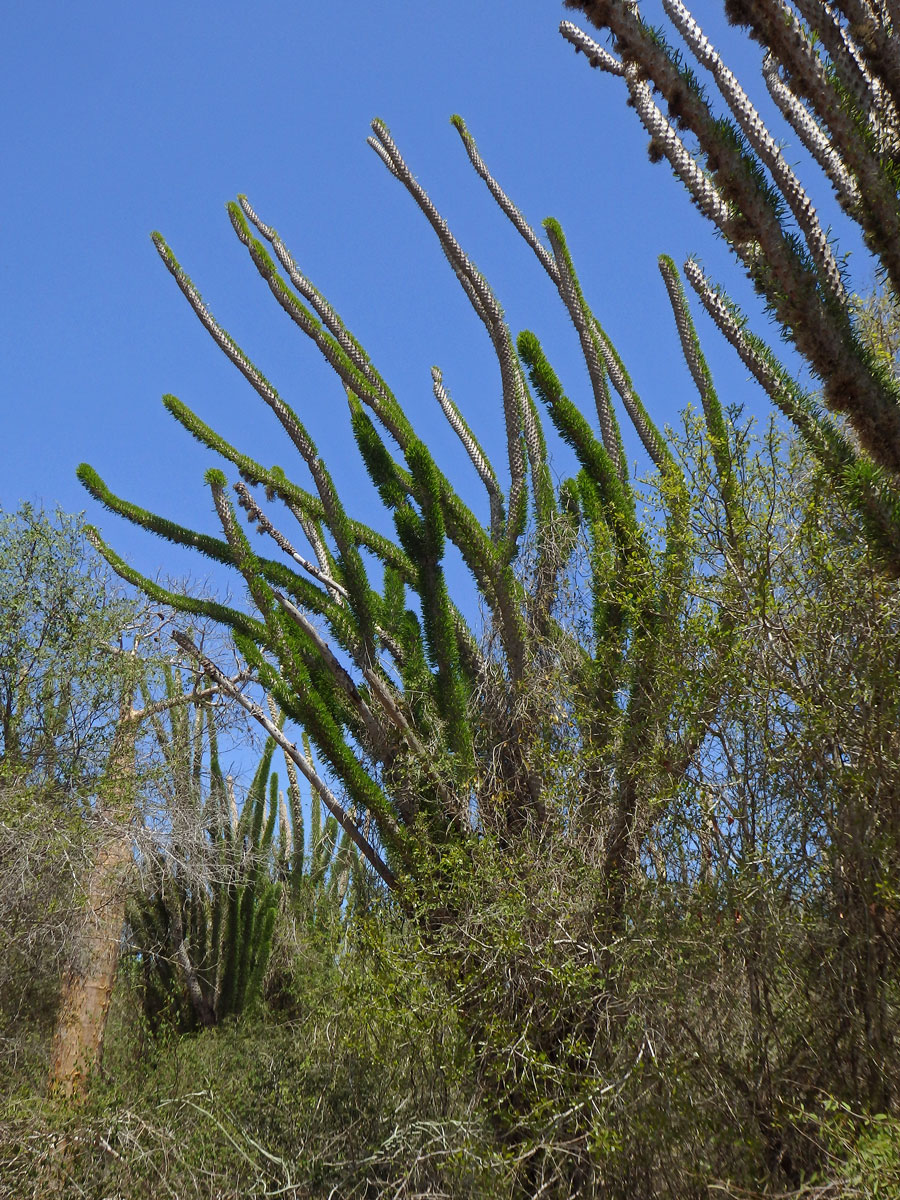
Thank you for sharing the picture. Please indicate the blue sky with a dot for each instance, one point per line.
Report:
(122, 119)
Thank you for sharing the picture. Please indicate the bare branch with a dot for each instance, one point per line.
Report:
(259, 518)
(330, 801)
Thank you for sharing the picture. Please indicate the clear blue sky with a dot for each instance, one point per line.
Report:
(124, 118)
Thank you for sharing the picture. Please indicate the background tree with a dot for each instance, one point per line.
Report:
(72, 654)
(89, 981)
(61, 613)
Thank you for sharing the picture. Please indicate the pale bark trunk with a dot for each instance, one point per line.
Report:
(87, 988)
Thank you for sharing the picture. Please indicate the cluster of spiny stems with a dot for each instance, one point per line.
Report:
(430, 734)
(833, 70)
(203, 927)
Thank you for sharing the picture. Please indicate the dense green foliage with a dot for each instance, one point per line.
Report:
(738, 1027)
(756, 887)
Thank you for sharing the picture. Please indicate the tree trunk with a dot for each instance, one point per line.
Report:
(87, 988)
